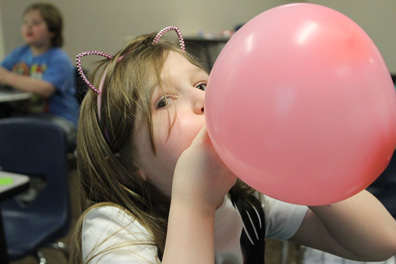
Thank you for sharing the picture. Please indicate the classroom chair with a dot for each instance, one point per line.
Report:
(36, 148)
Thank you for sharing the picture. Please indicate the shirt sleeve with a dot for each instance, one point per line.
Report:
(282, 219)
(110, 235)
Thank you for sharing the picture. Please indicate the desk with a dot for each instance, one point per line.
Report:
(12, 101)
(17, 183)
(10, 96)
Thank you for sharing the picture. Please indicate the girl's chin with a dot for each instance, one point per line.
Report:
(28, 40)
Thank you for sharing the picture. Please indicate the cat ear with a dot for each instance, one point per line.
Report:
(80, 70)
(163, 31)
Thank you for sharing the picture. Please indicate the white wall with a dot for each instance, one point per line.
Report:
(104, 24)
(2, 49)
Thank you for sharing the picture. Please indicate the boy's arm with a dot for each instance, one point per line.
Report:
(358, 228)
(26, 84)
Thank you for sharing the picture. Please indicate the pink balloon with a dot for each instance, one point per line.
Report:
(301, 106)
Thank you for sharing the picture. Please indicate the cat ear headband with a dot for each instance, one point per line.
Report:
(110, 57)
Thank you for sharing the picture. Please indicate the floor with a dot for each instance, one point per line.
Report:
(273, 248)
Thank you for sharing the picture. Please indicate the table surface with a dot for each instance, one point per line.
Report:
(9, 96)
(11, 184)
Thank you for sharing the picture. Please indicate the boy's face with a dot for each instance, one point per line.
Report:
(35, 30)
(181, 105)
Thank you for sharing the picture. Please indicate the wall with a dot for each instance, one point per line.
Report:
(2, 50)
(105, 24)
(377, 18)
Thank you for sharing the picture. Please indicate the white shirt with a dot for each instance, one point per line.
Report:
(109, 235)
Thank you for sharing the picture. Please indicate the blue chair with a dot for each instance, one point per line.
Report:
(36, 148)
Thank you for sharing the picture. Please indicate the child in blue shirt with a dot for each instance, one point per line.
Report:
(43, 68)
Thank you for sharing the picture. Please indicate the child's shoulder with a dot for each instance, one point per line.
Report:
(113, 221)
(20, 50)
(57, 54)
(57, 50)
(107, 212)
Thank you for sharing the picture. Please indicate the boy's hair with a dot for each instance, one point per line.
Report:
(106, 151)
(53, 19)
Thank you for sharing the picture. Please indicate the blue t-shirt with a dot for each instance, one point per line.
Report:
(53, 66)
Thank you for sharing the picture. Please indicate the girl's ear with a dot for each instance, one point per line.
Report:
(142, 174)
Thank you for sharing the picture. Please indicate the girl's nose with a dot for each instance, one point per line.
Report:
(199, 101)
(199, 108)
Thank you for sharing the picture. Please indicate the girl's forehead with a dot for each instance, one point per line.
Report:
(174, 58)
(176, 66)
(33, 13)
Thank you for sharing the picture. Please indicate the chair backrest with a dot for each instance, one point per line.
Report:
(37, 148)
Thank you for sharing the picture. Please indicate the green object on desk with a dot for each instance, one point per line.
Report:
(5, 181)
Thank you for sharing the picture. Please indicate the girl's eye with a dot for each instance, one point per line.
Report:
(164, 102)
(201, 86)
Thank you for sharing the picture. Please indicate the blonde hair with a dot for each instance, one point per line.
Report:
(105, 147)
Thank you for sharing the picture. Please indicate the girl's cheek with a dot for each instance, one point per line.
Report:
(173, 142)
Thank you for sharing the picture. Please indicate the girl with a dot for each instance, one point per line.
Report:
(156, 191)
(41, 67)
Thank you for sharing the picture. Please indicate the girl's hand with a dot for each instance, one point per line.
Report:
(200, 177)
(200, 182)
